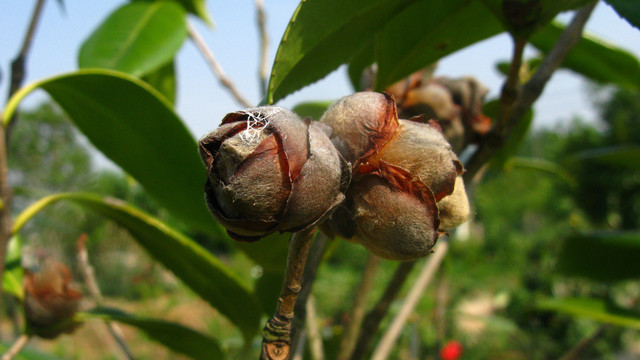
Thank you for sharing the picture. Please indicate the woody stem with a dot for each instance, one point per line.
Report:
(278, 332)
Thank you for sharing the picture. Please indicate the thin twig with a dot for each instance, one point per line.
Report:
(314, 336)
(264, 46)
(585, 343)
(17, 346)
(90, 279)
(372, 321)
(530, 92)
(509, 93)
(308, 277)
(215, 65)
(17, 78)
(352, 327)
(277, 333)
(430, 267)
(440, 314)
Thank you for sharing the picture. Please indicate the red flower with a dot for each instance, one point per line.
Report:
(452, 350)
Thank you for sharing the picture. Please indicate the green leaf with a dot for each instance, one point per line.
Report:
(137, 38)
(515, 139)
(544, 165)
(523, 17)
(189, 261)
(163, 79)
(594, 58)
(322, 35)
(174, 336)
(359, 63)
(602, 256)
(13, 271)
(629, 10)
(268, 290)
(427, 31)
(136, 127)
(625, 156)
(311, 109)
(28, 354)
(270, 252)
(596, 309)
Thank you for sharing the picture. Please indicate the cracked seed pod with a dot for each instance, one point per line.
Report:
(268, 170)
(50, 301)
(404, 170)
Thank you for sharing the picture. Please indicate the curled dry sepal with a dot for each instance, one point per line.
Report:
(406, 189)
(50, 301)
(268, 170)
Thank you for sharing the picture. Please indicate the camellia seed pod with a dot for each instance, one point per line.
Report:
(50, 300)
(406, 189)
(269, 171)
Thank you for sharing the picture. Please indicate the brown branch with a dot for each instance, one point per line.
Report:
(278, 332)
(89, 278)
(352, 327)
(215, 65)
(308, 277)
(509, 93)
(585, 343)
(315, 338)
(17, 346)
(374, 316)
(530, 92)
(264, 46)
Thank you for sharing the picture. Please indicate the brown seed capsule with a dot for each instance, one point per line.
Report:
(403, 171)
(270, 171)
(50, 301)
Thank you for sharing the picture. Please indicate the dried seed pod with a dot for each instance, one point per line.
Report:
(361, 123)
(50, 301)
(270, 171)
(403, 171)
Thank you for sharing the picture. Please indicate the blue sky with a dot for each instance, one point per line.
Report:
(202, 102)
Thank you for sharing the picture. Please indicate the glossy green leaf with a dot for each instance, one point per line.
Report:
(322, 35)
(311, 109)
(134, 126)
(543, 165)
(189, 261)
(595, 309)
(515, 139)
(594, 58)
(163, 79)
(13, 271)
(427, 31)
(174, 336)
(625, 156)
(267, 290)
(195, 7)
(628, 9)
(359, 63)
(137, 38)
(523, 17)
(602, 256)
(270, 252)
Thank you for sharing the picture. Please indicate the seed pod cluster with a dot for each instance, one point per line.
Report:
(406, 190)
(268, 170)
(455, 102)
